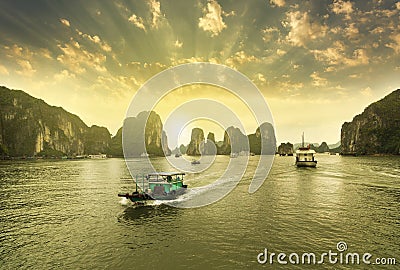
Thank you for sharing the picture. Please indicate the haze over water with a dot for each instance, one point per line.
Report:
(66, 215)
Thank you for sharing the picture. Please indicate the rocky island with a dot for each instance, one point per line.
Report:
(30, 127)
(376, 130)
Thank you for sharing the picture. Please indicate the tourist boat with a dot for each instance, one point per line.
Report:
(305, 157)
(158, 186)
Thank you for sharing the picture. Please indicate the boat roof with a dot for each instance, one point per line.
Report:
(166, 173)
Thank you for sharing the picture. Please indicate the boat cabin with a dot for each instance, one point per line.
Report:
(165, 182)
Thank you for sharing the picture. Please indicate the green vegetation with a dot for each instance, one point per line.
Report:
(29, 127)
(376, 130)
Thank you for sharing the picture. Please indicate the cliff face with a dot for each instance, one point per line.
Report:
(234, 142)
(209, 145)
(29, 126)
(264, 136)
(196, 138)
(323, 148)
(376, 130)
(285, 149)
(154, 137)
(115, 149)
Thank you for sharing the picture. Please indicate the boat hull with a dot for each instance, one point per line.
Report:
(168, 196)
(306, 163)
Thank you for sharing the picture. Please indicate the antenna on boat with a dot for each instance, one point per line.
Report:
(302, 140)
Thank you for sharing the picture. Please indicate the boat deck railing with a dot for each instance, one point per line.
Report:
(143, 181)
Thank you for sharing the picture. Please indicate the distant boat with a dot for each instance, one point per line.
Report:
(99, 156)
(178, 155)
(194, 162)
(305, 157)
(144, 154)
(234, 155)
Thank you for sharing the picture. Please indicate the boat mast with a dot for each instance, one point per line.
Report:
(302, 140)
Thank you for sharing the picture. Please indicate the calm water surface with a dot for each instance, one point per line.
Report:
(66, 215)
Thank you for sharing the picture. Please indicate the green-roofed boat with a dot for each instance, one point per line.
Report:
(157, 186)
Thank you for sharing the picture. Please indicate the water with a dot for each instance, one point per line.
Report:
(66, 215)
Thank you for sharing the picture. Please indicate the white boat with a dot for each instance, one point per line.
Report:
(99, 156)
(305, 157)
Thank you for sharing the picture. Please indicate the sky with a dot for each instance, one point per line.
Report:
(317, 63)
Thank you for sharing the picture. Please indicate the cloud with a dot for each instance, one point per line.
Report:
(302, 30)
(137, 21)
(260, 78)
(336, 56)
(280, 52)
(377, 30)
(212, 19)
(290, 87)
(178, 44)
(96, 39)
(26, 68)
(155, 9)
(342, 7)
(77, 59)
(366, 92)
(395, 45)
(45, 53)
(64, 74)
(65, 22)
(270, 34)
(279, 3)
(3, 70)
(317, 80)
(240, 58)
(352, 31)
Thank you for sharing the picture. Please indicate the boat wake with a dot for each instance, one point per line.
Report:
(125, 202)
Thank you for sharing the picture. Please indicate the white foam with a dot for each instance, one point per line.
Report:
(125, 202)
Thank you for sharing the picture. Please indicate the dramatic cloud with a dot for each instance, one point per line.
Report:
(212, 19)
(302, 30)
(311, 50)
(65, 22)
(137, 21)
